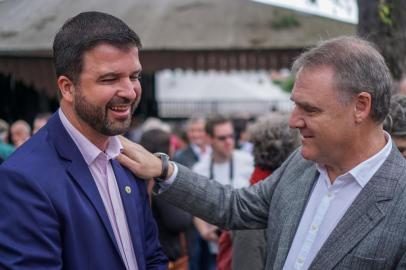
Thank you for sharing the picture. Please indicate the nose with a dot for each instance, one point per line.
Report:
(295, 119)
(130, 89)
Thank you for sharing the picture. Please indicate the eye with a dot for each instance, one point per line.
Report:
(136, 77)
(108, 80)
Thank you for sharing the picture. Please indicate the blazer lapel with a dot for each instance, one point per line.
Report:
(295, 197)
(78, 170)
(133, 206)
(368, 209)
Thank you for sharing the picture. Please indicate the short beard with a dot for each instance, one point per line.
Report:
(97, 118)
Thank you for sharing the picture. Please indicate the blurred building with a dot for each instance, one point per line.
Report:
(220, 35)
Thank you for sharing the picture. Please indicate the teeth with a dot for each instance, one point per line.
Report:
(119, 108)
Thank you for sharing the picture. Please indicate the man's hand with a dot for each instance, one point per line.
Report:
(141, 162)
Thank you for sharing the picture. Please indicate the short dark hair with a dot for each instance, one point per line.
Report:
(213, 121)
(156, 140)
(358, 67)
(84, 32)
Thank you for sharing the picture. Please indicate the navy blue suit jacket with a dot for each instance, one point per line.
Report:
(52, 216)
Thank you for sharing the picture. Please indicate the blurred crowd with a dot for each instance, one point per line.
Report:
(237, 151)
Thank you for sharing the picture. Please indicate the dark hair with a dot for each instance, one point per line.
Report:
(395, 122)
(358, 67)
(273, 141)
(213, 121)
(84, 32)
(156, 140)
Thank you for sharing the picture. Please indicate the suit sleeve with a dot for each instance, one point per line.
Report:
(246, 208)
(29, 230)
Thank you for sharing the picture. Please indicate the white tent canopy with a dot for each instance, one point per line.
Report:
(181, 93)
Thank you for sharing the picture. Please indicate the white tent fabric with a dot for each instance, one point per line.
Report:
(250, 92)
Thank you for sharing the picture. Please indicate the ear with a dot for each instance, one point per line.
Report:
(363, 106)
(66, 87)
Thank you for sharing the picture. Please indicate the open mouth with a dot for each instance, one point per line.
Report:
(120, 111)
(119, 108)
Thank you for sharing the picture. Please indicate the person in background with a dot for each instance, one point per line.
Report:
(6, 149)
(39, 121)
(198, 146)
(173, 223)
(226, 165)
(20, 132)
(273, 141)
(395, 122)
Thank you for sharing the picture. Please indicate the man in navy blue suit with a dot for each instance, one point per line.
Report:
(65, 202)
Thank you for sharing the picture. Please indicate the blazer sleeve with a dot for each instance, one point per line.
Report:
(246, 208)
(29, 230)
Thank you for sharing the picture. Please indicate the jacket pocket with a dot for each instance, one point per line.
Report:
(361, 263)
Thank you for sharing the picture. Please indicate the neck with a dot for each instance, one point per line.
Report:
(101, 141)
(219, 158)
(367, 145)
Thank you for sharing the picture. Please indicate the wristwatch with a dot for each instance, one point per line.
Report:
(165, 166)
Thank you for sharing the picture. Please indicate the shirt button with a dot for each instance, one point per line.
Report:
(314, 227)
(300, 260)
(329, 195)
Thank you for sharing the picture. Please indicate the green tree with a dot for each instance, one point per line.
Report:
(383, 22)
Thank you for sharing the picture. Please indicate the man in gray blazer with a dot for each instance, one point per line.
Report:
(339, 201)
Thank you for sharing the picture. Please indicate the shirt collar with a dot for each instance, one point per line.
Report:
(88, 150)
(364, 171)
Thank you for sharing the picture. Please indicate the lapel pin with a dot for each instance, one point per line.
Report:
(128, 189)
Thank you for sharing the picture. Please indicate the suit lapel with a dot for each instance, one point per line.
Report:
(133, 206)
(368, 209)
(78, 170)
(295, 197)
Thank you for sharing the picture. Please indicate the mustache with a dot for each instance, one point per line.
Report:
(120, 101)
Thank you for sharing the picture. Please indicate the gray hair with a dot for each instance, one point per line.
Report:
(273, 140)
(358, 67)
(195, 120)
(395, 122)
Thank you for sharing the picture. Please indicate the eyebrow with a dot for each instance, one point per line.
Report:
(114, 74)
(306, 105)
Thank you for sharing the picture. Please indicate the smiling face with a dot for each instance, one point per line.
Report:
(108, 91)
(326, 125)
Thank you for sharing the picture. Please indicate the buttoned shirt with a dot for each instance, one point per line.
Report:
(327, 205)
(100, 167)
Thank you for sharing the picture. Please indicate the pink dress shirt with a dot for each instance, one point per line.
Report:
(103, 175)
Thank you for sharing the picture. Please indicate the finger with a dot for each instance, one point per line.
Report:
(128, 162)
(125, 143)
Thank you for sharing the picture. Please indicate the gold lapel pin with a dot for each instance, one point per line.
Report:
(128, 189)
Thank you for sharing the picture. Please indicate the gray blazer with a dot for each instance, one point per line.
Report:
(371, 234)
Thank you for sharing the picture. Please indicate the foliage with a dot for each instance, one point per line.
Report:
(286, 84)
(384, 11)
